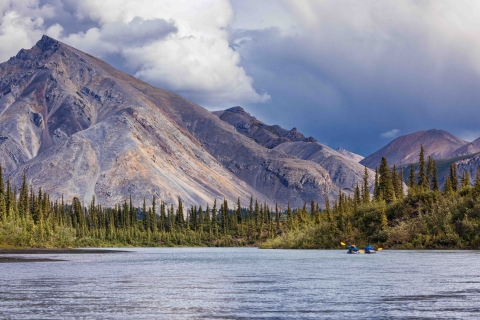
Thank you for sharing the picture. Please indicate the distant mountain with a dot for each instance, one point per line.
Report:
(471, 165)
(350, 155)
(405, 149)
(263, 134)
(344, 172)
(469, 148)
(80, 128)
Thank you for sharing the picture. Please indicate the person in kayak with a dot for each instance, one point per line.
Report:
(369, 247)
(352, 248)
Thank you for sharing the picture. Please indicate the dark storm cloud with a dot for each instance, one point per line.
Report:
(346, 87)
(67, 16)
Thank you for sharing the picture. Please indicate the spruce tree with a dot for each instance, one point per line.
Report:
(153, 216)
(411, 180)
(365, 187)
(385, 184)
(356, 196)
(477, 181)
(395, 182)
(448, 186)
(239, 212)
(465, 182)
(277, 216)
(435, 185)
(145, 216)
(423, 183)
(453, 176)
(376, 190)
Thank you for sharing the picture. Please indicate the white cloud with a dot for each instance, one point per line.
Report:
(390, 134)
(177, 45)
(21, 25)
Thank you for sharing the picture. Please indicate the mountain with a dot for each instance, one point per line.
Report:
(470, 164)
(263, 134)
(350, 155)
(405, 149)
(344, 172)
(469, 148)
(78, 127)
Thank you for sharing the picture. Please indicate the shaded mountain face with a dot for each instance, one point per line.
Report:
(344, 172)
(263, 134)
(406, 149)
(78, 127)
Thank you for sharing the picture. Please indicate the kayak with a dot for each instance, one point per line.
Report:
(352, 252)
(370, 251)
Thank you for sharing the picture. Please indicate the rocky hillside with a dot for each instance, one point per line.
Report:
(405, 149)
(350, 155)
(263, 134)
(78, 127)
(344, 172)
(469, 148)
(471, 165)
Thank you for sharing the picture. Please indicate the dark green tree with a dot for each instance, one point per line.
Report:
(423, 183)
(385, 185)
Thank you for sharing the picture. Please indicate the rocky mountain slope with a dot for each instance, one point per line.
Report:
(350, 155)
(78, 127)
(263, 134)
(471, 165)
(405, 149)
(344, 172)
(469, 148)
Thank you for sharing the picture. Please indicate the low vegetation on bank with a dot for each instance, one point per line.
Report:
(423, 217)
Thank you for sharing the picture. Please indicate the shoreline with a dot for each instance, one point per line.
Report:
(56, 251)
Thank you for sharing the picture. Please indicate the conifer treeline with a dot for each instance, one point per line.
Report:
(423, 216)
(30, 218)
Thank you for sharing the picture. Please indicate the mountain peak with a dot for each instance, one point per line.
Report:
(236, 109)
(47, 43)
(405, 149)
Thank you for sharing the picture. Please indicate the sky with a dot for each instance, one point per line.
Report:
(352, 74)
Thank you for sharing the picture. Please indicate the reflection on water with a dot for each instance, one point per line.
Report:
(243, 283)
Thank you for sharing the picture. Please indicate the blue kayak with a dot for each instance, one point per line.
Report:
(352, 252)
(370, 251)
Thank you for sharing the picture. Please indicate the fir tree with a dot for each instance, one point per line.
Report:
(453, 176)
(477, 181)
(365, 187)
(448, 186)
(435, 185)
(423, 183)
(411, 180)
(376, 190)
(465, 182)
(385, 184)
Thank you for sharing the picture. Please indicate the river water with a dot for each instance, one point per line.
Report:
(243, 283)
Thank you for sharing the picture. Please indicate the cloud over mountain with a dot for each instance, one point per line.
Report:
(175, 45)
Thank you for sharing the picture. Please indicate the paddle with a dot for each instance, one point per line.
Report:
(342, 243)
(379, 249)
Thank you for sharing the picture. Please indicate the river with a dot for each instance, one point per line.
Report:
(243, 283)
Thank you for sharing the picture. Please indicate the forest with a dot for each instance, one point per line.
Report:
(420, 216)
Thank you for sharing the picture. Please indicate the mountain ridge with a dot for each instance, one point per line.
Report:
(76, 126)
(404, 150)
